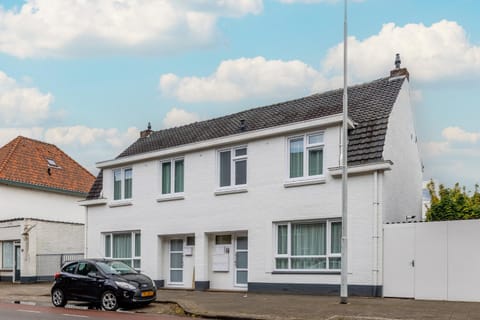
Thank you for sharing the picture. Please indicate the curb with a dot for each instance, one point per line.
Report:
(188, 311)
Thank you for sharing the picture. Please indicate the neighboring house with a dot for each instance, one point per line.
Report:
(252, 200)
(41, 224)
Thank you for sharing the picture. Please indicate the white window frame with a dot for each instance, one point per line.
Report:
(172, 192)
(306, 155)
(233, 159)
(134, 257)
(122, 184)
(328, 254)
(2, 266)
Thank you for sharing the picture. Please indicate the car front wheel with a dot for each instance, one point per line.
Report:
(109, 301)
(58, 298)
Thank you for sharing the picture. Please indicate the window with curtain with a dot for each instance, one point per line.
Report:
(233, 167)
(7, 255)
(125, 247)
(308, 245)
(173, 176)
(306, 155)
(122, 184)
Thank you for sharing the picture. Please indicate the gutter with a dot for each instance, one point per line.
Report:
(43, 188)
(386, 165)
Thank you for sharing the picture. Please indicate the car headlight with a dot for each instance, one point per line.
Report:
(125, 285)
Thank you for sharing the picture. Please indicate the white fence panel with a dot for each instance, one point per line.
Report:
(446, 260)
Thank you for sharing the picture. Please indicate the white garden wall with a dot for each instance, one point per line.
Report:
(446, 260)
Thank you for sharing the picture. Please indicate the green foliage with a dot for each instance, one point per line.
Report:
(453, 203)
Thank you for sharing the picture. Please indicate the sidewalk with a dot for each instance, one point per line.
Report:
(231, 305)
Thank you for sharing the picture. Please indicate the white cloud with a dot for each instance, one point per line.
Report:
(456, 134)
(455, 158)
(84, 136)
(308, 1)
(21, 105)
(431, 53)
(82, 27)
(177, 117)
(85, 145)
(244, 78)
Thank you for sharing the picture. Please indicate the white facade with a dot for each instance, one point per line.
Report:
(37, 248)
(214, 215)
(30, 203)
(38, 223)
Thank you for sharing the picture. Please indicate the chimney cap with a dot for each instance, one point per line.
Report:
(398, 62)
(146, 133)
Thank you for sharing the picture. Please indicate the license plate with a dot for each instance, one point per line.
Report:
(147, 293)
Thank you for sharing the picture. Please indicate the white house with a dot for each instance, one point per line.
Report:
(252, 200)
(41, 224)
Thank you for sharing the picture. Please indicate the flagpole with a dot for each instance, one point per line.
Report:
(344, 261)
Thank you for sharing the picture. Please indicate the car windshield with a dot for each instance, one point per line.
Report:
(115, 267)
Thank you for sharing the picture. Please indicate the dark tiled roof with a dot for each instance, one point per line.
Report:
(370, 105)
(25, 162)
(96, 189)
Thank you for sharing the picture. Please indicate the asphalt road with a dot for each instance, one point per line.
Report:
(9, 311)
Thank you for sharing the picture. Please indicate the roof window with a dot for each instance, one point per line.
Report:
(52, 163)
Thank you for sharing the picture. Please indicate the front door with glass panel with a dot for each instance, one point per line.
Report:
(176, 261)
(241, 261)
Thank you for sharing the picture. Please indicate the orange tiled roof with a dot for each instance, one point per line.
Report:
(28, 162)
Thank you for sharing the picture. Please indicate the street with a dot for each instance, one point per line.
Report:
(9, 311)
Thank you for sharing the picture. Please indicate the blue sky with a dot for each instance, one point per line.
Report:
(88, 75)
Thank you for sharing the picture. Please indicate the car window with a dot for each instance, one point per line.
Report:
(84, 268)
(116, 267)
(70, 268)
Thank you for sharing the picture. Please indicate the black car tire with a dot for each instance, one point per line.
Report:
(58, 298)
(109, 301)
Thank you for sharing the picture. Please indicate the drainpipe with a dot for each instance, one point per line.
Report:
(85, 228)
(377, 227)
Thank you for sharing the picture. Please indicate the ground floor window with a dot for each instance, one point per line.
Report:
(125, 247)
(313, 245)
(7, 254)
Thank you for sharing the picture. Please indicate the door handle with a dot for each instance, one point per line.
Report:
(412, 263)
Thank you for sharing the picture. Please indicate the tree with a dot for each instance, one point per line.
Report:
(453, 203)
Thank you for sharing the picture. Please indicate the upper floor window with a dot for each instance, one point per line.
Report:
(233, 167)
(122, 184)
(172, 176)
(306, 155)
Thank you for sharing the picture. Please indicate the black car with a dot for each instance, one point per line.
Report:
(108, 284)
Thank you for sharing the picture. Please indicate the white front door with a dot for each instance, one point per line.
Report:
(241, 261)
(176, 261)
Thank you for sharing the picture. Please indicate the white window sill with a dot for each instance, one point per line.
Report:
(306, 272)
(171, 197)
(304, 182)
(120, 203)
(230, 190)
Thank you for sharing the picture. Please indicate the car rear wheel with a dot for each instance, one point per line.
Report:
(58, 298)
(109, 301)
